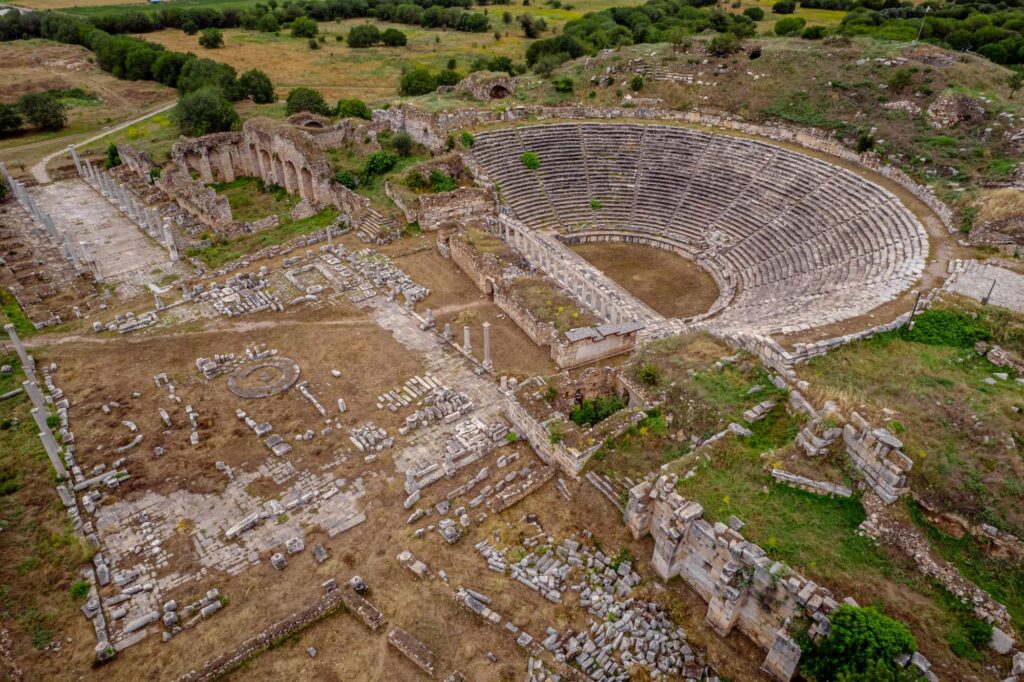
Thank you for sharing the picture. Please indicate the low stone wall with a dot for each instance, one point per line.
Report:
(220, 666)
(810, 485)
(743, 587)
(875, 452)
(521, 489)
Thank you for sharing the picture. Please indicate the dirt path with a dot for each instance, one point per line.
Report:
(39, 171)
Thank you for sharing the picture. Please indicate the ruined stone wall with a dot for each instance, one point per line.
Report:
(279, 154)
(464, 205)
(136, 161)
(472, 263)
(541, 333)
(569, 354)
(199, 201)
(743, 587)
(432, 130)
(554, 454)
(876, 454)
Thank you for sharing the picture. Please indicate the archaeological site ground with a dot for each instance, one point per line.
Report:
(531, 340)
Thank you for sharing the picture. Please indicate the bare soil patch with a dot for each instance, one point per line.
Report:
(672, 285)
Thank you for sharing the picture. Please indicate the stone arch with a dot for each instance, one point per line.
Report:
(266, 170)
(306, 184)
(498, 91)
(278, 175)
(291, 177)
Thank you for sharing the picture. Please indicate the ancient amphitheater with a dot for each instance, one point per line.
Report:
(793, 241)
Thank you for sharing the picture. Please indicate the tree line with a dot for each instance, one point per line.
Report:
(995, 31)
(271, 17)
(653, 22)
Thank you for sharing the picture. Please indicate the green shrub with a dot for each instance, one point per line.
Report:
(649, 374)
(531, 160)
(402, 143)
(353, 108)
(306, 99)
(211, 38)
(591, 412)
(417, 81)
(268, 23)
(113, 156)
(784, 7)
(392, 37)
(861, 639)
(724, 44)
(313, 44)
(364, 35)
(789, 26)
(441, 182)
(346, 179)
(256, 84)
(380, 163)
(755, 13)
(941, 327)
(467, 139)
(814, 33)
(563, 84)
(415, 181)
(969, 638)
(304, 27)
(595, 205)
(80, 590)
(636, 82)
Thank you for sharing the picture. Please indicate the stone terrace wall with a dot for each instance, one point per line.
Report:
(432, 129)
(744, 588)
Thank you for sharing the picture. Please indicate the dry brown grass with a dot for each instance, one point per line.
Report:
(999, 204)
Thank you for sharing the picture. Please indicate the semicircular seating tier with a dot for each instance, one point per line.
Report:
(795, 242)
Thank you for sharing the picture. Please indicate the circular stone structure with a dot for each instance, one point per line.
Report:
(265, 378)
(792, 241)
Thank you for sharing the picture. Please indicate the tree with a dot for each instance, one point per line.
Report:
(790, 26)
(364, 35)
(506, 17)
(205, 110)
(304, 27)
(167, 67)
(256, 84)
(724, 44)
(784, 7)
(861, 639)
(10, 119)
(530, 29)
(306, 99)
(402, 143)
(113, 157)
(416, 81)
(43, 110)
(392, 37)
(211, 38)
(679, 39)
(268, 23)
(547, 64)
(379, 163)
(1015, 82)
(353, 108)
(198, 73)
(755, 13)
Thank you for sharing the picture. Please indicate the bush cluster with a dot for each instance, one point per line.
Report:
(590, 412)
(42, 110)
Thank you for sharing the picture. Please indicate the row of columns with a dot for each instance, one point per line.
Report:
(75, 252)
(605, 304)
(40, 412)
(467, 341)
(148, 219)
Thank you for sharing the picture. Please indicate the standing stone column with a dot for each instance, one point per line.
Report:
(27, 364)
(74, 157)
(487, 346)
(467, 347)
(49, 442)
(34, 394)
(172, 248)
(447, 332)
